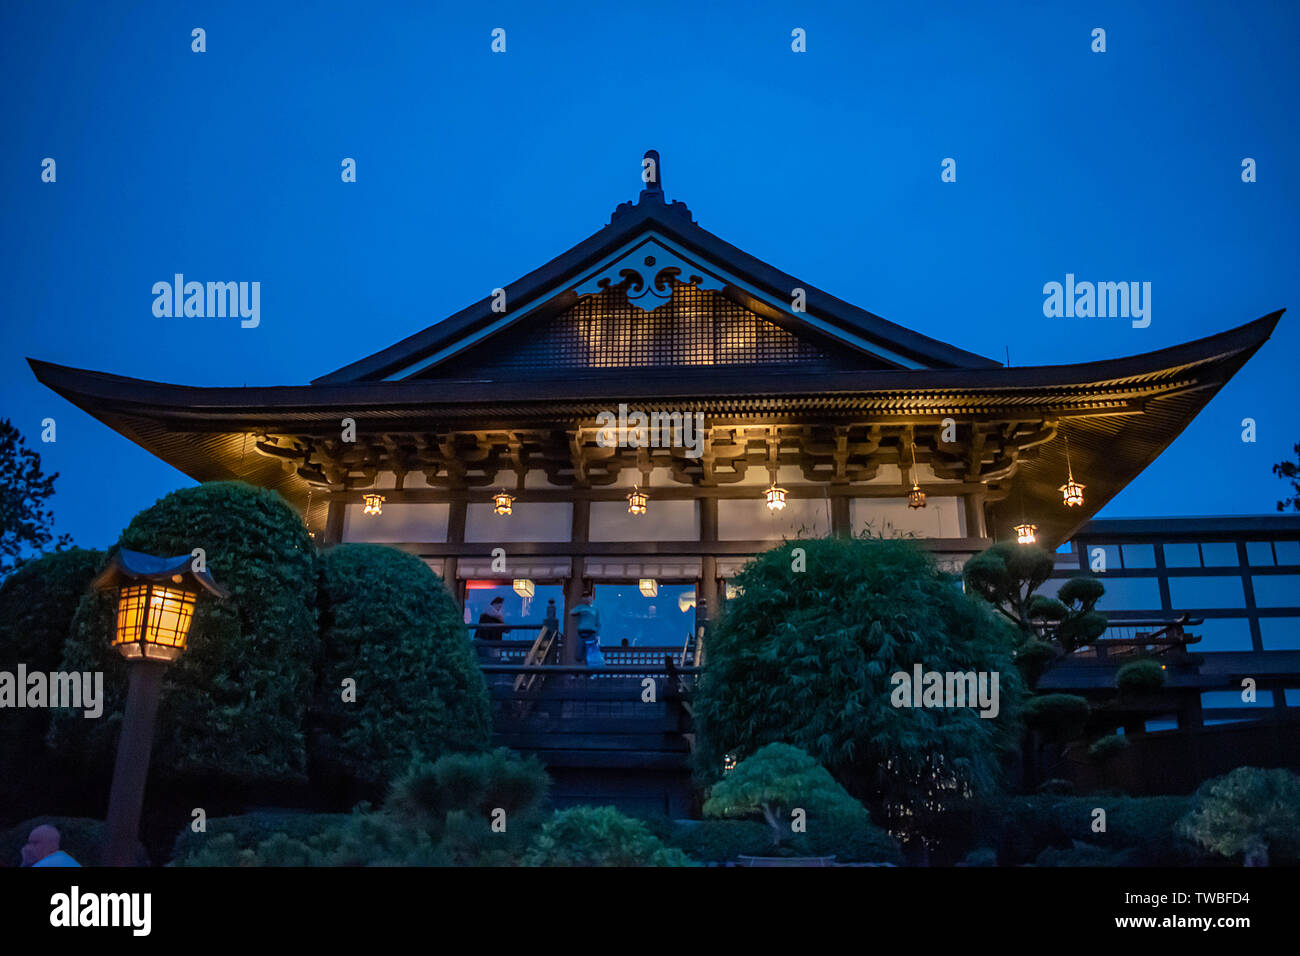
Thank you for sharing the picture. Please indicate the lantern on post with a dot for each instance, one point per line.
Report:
(155, 608)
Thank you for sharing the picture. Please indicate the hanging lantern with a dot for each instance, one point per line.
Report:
(1072, 492)
(649, 587)
(916, 497)
(524, 587)
(501, 503)
(775, 498)
(374, 504)
(685, 601)
(636, 501)
(1025, 533)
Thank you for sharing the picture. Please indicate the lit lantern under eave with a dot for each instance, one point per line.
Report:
(637, 501)
(775, 498)
(1072, 492)
(1026, 533)
(916, 497)
(502, 503)
(374, 504)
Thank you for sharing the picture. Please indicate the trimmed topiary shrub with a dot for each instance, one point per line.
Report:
(458, 798)
(1251, 813)
(599, 836)
(808, 657)
(1084, 854)
(229, 836)
(1057, 717)
(719, 841)
(1104, 748)
(387, 622)
(233, 704)
(776, 781)
(1140, 677)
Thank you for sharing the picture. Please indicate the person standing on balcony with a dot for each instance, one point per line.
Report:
(587, 624)
(495, 614)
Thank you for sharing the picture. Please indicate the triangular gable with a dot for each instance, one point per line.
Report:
(686, 326)
(647, 249)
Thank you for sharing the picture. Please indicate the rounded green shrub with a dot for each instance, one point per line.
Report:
(1107, 747)
(388, 624)
(1250, 812)
(599, 836)
(807, 655)
(1057, 717)
(233, 704)
(1140, 677)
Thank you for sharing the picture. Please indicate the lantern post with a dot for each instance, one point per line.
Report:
(155, 608)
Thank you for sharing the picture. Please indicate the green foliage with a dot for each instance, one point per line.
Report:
(387, 622)
(1107, 747)
(1290, 471)
(1020, 828)
(1057, 717)
(599, 836)
(1034, 657)
(1140, 677)
(80, 837)
(982, 856)
(233, 704)
(774, 781)
(454, 798)
(1250, 811)
(37, 603)
(850, 838)
(1007, 575)
(1085, 854)
(806, 658)
(719, 841)
(246, 831)
(26, 521)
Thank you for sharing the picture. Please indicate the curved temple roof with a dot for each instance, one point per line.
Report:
(1123, 412)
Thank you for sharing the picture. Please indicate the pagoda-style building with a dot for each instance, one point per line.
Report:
(862, 423)
(484, 443)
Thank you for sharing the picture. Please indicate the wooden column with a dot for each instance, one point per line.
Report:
(707, 591)
(975, 525)
(455, 535)
(841, 522)
(334, 522)
(574, 587)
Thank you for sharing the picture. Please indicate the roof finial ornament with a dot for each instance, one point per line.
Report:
(652, 173)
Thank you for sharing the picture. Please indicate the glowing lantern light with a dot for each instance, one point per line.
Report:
(524, 587)
(649, 587)
(155, 605)
(775, 498)
(1025, 533)
(374, 504)
(686, 601)
(501, 503)
(636, 501)
(1071, 491)
(916, 497)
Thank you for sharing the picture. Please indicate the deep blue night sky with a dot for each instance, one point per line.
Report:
(476, 167)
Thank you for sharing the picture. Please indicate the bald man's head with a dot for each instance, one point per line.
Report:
(43, 841)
